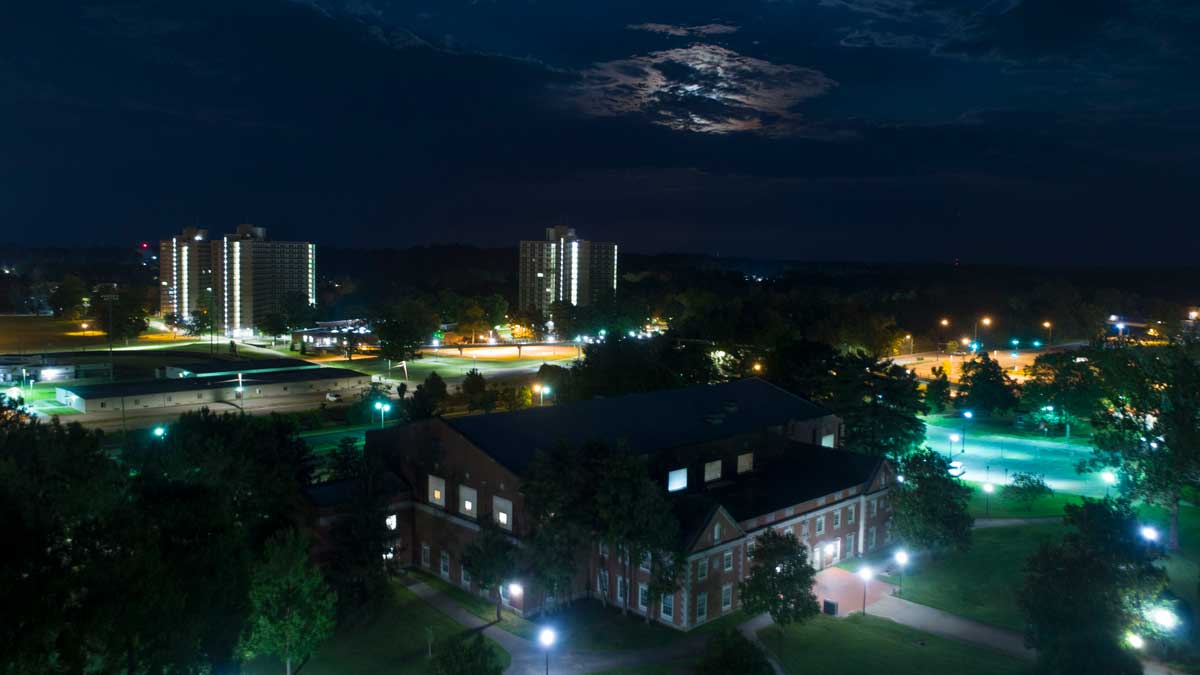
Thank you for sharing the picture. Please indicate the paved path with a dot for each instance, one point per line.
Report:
(950, 625)
(985, 523)
(529, 659)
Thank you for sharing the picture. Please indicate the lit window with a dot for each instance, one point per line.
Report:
(712, 471)
(466, 501)
(437, 490)
(503, 510)
(677, 480)
(391, 522)
(827, 440)
(745, 462)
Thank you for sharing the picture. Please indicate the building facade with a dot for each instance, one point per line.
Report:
(239, 278)
(185, 266)
(565, 268)
(734, 460)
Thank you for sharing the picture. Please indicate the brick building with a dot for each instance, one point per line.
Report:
(735, 459)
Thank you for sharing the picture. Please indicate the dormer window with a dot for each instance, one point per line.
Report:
(677, 480)
(437, 490)
(717, 533)
(745, 462)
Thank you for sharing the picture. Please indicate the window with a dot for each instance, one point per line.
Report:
(701, 607)
(745, 462)
(445, 564)
(750, 548)
(645, 562)
(850, 545)
(602, 582)
(850, 515)
(870, 539)
(620, 589)
(702, 570)
(726, 597)
(668, 606)
(390, 521)
(804, 529)
(467, 501)
(827, 440)
(717, 533)
(643, 596)
(874, 507)
(425, 555)
(712, 471)
(676, 480)
(728, 560)
(437, 490)
(820, 524)
(503, 510)
(466, 577)
(837, 519)
(603, 550)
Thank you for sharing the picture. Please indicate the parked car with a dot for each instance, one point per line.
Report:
(333, 396)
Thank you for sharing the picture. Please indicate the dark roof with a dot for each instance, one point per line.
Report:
(693, 511)
(246, 366)
(802, 473)
(338, 492)
(645, 423)
(166, 386)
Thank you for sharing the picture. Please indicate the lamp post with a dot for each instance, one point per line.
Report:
(384, 409)
(865, 574)
(954, 438)
(1121, 333)
(1109, 479)
(541, 390)
(160, 432)
(901, 560)
(986, 321)
(908, 338)
(988, 489)
(944, 323)
(1149, 533)
(547, 638)
(1049, 332)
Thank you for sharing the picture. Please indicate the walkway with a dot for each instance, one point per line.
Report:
(529, 659)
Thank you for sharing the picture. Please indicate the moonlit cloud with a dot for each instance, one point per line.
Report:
(684, 31)
(704, 88)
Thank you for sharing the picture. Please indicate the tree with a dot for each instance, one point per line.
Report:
(460, 655)
(291, 607)
(930, 506)
(1026, 488)
(345, 461)
(427, 399)
(402, 329)
(67, 297)
(984, 387)
(558, 496)
(273, 324)
(1084, 594)
(1150, 429)
(1066, 385)
(127, 317)
(490, 558)
(473, 322)
(516, 398)
(780, 582)
(298, 312)
(937, 391)
(730, 652)
(199, 323)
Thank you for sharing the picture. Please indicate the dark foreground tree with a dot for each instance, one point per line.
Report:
(985, 388)
(490, 558)
(730, 652)
(1085, 595)
(461, 655)
(780, 582)
(291, 608)
(937, 392)
(930, 506)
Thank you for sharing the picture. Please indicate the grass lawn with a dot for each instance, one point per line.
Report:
(1081, 433)
(997, 506)
(480, 607)
(982, 583)
(394, 642)
(668, 668)
(870, 645)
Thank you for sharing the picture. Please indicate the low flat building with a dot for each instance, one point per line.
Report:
(735, 459)
(333, 336)
(192, 391)
(49, 368)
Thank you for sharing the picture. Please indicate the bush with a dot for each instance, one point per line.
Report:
(462, 656)
(730, 652)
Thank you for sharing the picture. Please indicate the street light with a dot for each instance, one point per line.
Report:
(901, 560)
(909, 339)
(988, 489)
(541, 390)
(1134, 640)
(547, 638)
(865, 574)
(1164, 618)
(1049, 332)
(1109, 478)
(384, 409)
(986, 321)
(160, 432)
(1149, 533)
(954, 438)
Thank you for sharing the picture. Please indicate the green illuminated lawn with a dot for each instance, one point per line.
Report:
(1081, 433)
(868, 646)
(982, 583)
(394, 642)
(480, 607)
(997, 506)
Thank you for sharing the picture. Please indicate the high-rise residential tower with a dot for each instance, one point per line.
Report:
(565, 268)
(254, 276)
(185, 265)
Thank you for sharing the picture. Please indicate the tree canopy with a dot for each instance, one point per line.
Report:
(929, 505)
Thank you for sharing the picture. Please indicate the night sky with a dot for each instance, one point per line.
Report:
(1041, 131)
